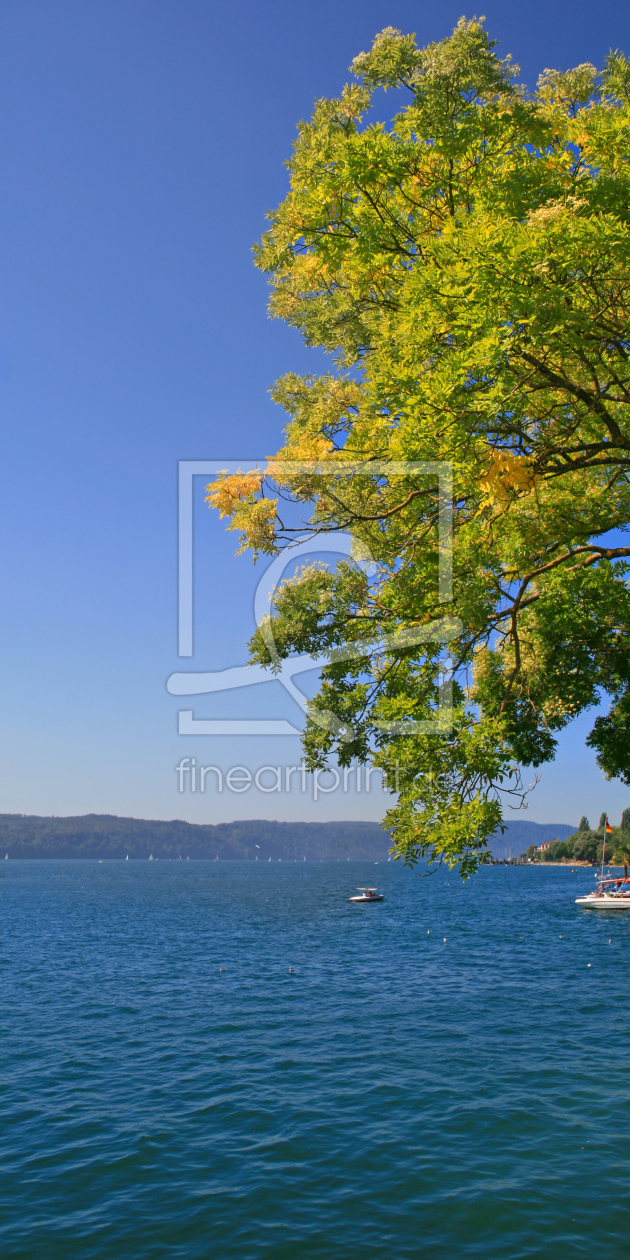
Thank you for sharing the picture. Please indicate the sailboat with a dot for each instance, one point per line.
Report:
(151, 857)
(610, 894)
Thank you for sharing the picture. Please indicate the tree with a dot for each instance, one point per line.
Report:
(584, 824)
(621, 854)
(468, 267)
(585, 848)
(625, 820)
(603, 819)
(606, 851)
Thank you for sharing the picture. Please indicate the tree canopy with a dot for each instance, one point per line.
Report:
(466, 265)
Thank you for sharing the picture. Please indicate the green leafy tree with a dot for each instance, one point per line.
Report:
(607, 852)
(585, 847)
(621, 853)
(584, 824)
(468, 267)
(557, 851)
(625, 820)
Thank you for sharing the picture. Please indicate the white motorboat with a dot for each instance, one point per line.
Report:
(610, 894)
(367, 894)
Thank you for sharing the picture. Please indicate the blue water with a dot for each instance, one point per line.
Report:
(394, 1096)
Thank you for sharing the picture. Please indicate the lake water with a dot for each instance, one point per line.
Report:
(396, 1095)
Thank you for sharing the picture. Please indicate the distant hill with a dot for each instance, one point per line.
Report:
(106, 836)
(520, 834)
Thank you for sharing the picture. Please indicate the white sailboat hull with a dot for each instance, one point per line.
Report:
(604, 903)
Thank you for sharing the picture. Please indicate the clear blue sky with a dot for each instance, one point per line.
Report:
(141, 143)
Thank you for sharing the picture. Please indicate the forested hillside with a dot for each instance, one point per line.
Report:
(106, 836)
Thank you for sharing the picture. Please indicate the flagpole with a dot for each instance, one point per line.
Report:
(604, 848)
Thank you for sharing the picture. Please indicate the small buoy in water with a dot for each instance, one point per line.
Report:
(445, 940)
(221, 968)
(610, 941)
(291, 968)
(589, 964)
(428, 931)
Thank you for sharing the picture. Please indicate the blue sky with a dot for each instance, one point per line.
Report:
(140, 145)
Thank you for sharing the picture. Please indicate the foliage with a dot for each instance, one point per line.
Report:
(621, 850)
(584, 824)
(588, 846)
(558, 849)
(585, 847)
(468, 267)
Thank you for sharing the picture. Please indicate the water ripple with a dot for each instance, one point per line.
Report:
(172, 1089)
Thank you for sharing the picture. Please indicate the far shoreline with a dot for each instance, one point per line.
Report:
(593, 866)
